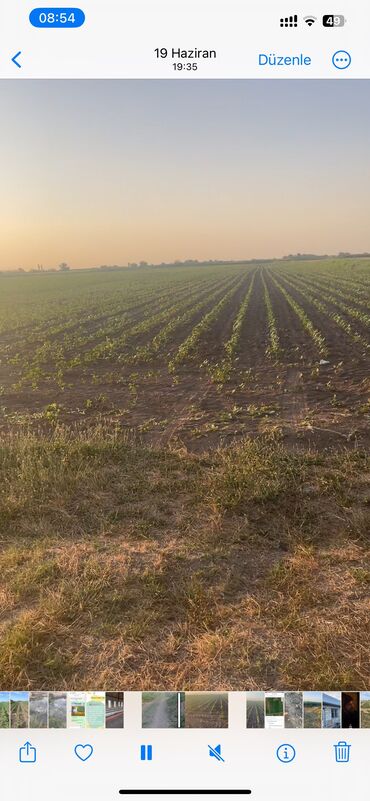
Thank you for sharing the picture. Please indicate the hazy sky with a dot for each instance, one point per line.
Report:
(106, 172)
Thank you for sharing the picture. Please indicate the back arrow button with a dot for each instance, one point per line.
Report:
(14, 59)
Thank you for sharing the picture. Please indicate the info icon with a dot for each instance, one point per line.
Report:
(285, 753)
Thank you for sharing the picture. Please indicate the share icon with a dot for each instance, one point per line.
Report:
(216, 752)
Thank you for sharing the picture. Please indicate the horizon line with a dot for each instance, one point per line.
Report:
(64, 267)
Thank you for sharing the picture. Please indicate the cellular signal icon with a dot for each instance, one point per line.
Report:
(289, 22)
(310, 21)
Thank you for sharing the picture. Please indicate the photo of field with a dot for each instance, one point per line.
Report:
(312, 710)
(57, 710)
(4, 710)
(206, 710)
(162, 710)
(266, 378)
(38, 714)
(255, 710)
(19, 710)
(184, 388)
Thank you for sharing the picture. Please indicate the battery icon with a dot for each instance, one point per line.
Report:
(333, 20)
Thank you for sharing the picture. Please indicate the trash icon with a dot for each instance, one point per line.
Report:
(342, 750)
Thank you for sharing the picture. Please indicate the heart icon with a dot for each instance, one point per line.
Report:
(83, 752)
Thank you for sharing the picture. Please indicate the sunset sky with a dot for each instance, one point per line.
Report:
(110, 172)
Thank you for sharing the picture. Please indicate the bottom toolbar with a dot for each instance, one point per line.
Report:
(94, 765)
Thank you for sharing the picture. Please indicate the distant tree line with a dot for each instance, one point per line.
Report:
(313, 256)
(142, 265)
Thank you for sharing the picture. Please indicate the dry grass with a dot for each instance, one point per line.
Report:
(136, 567)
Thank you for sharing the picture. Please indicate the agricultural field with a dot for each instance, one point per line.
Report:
(18, 712)
(193, 356)
(184, 466)
(312, 712)
(255, 710)
(57, 712)
(206, 710)
(160, 710)
(4, 710)
(38, 713)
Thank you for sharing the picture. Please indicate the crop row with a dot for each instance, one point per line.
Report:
(314, 333)
(55, 359)
(220, 372)
(189, 348)
(340, 321)
(185, 314)
(342, 303)
(348, 286)
(87, 324)
(349, 271)
(273, 349)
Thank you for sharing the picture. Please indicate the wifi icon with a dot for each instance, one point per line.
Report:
(310, 20)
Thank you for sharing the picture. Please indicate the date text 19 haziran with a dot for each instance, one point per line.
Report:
(187, 55)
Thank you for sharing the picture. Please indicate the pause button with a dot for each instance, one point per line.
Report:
(146, 753)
